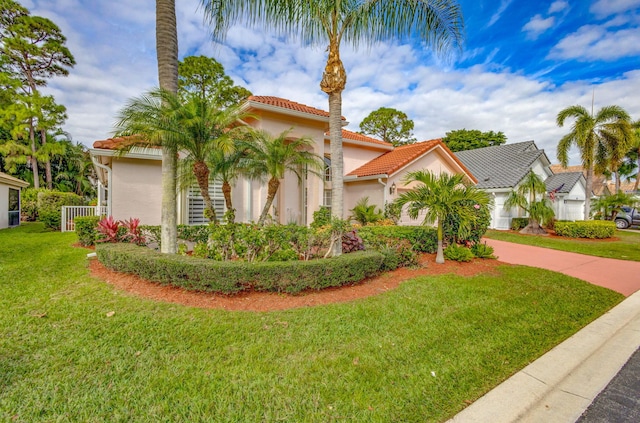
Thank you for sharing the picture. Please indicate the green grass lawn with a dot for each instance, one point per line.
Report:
(625, 246)
(414, 354)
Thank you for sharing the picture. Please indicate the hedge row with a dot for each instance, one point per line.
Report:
(586, 229)
(232, 277)
(423, 239)
(50, 206)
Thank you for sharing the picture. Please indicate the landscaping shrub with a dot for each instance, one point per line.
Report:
(193, 233)
(397, 253)
(457, 252)
(29, 203)
(451, 225)
(352, 242)
(482, 251)
(423, 239)
(321, 217)
(232, 277)
(50, 206)
(518, 223)
(594, 229)
(86, 229)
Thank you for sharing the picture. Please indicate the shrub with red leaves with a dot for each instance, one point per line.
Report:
(108, 228)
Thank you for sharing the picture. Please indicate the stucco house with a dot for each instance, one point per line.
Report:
(129, 184)
(501, 168)
(10, 200)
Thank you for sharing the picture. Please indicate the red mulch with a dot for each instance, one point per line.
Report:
(263, 301)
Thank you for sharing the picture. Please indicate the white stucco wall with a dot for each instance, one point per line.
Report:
(4, 203)
(137, 190)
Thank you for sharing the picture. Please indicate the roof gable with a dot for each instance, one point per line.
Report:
(392, 161)
(563, 183)
(502, 166)
(283, 103)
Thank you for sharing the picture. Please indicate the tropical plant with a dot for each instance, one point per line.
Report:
(608, 206)
(635, 149)
(193, 125)
(365, 213)
(271, 157)
(109, 230)
(438, 23)
(167, 53)
(595, 137)
(530, 196)
(225, 167)
(390, 125)
(438, 196)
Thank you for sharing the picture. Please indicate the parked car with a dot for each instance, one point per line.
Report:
(627, 216)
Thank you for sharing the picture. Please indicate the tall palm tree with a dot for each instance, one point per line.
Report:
(167, 53)
(269, 157)
(530, 196)
(591, 134)
(193, 125)
(438, 23)
(439, 196)
(635, 147)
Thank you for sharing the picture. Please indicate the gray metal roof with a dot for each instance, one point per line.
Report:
(563, 182)
(501, 166)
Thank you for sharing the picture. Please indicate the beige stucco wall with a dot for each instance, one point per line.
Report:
(4, 206)
(355, 156)
(354, 191)
(137, 190)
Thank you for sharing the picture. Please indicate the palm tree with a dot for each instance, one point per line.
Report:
(593, 135)
(526, 197)
(438, 23)
(225, 166)
(365, 213)
(193, 125)
(167, 52)
(269, 157)
(635, 147)
(439, 196)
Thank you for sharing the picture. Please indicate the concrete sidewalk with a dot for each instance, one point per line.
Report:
(560, 385)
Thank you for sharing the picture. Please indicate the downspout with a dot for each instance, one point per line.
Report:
(384, 192)
(107, 169)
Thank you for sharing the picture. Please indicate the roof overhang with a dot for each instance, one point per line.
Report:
(363, 143)
(256, 105)
(12, 181)
(365, 178)
(144, 153)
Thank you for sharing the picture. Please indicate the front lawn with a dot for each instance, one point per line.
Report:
(73, 348)
(625, 245)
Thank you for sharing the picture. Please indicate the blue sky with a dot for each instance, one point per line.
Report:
(522, 62)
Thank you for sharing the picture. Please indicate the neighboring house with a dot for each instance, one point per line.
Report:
(500, 169)
(599, 181)
(129, 184)
(10, 200)
(567, 193)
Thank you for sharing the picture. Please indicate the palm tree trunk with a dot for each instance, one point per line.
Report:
(226, 191)
(47, 164)
(440, 252)
(201, 171)
(167, 52)
(589, 189)
(274, 184)
(34, 161)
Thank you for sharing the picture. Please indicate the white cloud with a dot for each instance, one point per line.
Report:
(604, 8)
(537, 25)
(504, 4)
(558, 6)
(594, 42)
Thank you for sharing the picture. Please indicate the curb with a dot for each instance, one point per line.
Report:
(560, 385)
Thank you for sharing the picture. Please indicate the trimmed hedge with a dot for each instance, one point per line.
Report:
(50, 206)
(233, 277)
(594, 229)
(86, 229)
(518, 223)
(194, 233)
(423, 239)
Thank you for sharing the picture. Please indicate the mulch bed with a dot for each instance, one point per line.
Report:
(264, 301)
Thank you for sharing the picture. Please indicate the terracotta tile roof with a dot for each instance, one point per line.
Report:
(288, 104)
(626, 187)
(349, 135)
(116, 143)
(394, 160)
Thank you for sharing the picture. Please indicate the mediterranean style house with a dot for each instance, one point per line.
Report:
(129, 184)
(10, 200)
(501, 168)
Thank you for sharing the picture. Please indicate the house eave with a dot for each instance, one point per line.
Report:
(134, 153)
(283, 110)
(365, 178)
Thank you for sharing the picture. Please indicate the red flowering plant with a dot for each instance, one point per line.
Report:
(134, 234)
(108, 228)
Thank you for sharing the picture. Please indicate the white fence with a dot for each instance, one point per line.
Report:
(71, 212)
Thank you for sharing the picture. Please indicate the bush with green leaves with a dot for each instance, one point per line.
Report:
(236, 276)
(86, 229)
(50, 206)
(593, 229)
(392, 211)
(397, 252)
(321, 217)
(457, 252)
(518, 223)
(482, 250)
(477, 228)
(365, 213)
(423, 239)
(29, 203)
